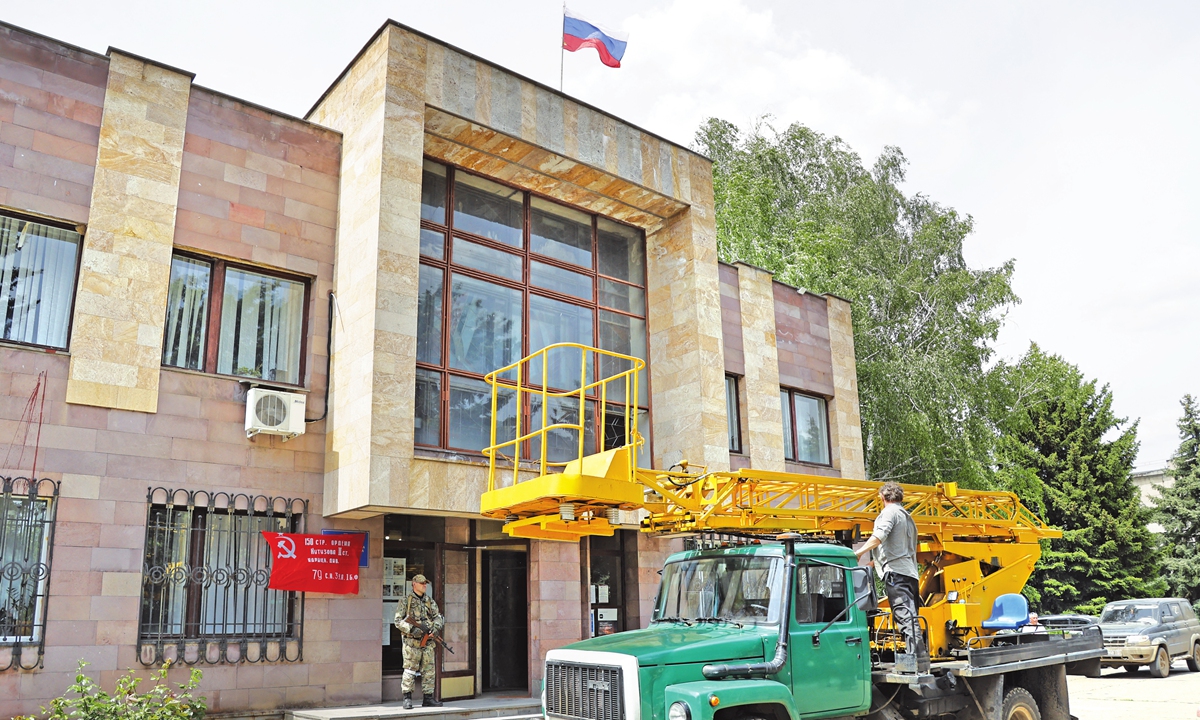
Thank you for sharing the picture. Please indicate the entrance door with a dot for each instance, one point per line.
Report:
(832, 675)
(505, 620)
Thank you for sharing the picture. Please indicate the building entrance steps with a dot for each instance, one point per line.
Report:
(488, 706)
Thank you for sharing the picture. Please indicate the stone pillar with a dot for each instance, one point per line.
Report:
(686, 352)
(764, 416)
(379, 108)
(650, 553)
(120, 308)
(845, 427)
(555, 601)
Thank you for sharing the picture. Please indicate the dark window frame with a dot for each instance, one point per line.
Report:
(216, 298)
(194, 645)
(81, 230)
(790, 444)
(448, 268)
(734, 413)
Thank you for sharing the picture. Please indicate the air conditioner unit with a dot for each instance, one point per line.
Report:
(272, 412)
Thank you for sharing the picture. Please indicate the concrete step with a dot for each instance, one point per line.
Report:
(494, 708)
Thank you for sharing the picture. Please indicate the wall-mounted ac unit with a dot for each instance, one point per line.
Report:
(272, 412)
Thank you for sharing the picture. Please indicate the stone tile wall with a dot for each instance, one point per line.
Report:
(845, 427)
(106, 460)
(802, 337)
(555, 601)
(116, 333)
(731, 320)
(762, 421)
(51, 100)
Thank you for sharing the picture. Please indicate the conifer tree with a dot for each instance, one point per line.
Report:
(1053, 453)
(1178, 509)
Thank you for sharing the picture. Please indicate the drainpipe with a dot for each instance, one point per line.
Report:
(723, 670)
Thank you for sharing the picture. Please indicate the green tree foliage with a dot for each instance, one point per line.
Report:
(1052, 452)
(803, 205)
(1178, 509)
(161, 702)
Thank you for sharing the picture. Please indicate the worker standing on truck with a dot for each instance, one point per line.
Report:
(895, 534)
(417, 618)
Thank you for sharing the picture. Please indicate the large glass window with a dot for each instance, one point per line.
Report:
(37, 281)
(805, 427)
(204, 580)
(520, 273)
(260, 328)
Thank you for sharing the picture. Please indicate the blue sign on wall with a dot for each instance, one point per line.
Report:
(362, 560)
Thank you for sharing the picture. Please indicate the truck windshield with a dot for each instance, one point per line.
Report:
(1129, 614)
(735, 588)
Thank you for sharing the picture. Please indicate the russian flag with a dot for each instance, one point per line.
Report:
(580, 33)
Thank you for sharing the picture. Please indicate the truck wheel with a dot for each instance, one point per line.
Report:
(1131, 668)
(1020, 705)
(1161, 667)
(1193, 660)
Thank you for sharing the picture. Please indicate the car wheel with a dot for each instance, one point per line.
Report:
(1193, 660)
(1020, 705)
(1131, 668)
(1161, 667)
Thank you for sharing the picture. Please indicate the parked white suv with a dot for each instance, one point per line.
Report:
(1152, 632)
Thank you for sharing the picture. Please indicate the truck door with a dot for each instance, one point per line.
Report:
(831, 675)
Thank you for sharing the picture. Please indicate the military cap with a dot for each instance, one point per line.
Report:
(420, 579)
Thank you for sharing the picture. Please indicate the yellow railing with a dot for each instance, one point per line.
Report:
(624, 401)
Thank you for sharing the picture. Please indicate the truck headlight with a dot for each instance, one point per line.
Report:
(679, 711)
(1137, 640)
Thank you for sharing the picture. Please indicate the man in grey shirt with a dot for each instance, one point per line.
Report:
(895, 534)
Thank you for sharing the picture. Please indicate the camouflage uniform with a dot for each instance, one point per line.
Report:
(423, 609)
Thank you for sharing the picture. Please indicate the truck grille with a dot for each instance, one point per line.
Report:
(1114, 642)
(589, 692)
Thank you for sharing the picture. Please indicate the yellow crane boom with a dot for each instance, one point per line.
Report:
(973, 545)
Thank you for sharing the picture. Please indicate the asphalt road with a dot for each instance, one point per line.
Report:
(1118, 695)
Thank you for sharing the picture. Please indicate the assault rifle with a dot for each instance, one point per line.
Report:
(428, 635)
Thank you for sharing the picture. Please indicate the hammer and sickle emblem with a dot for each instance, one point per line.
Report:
(286, 547)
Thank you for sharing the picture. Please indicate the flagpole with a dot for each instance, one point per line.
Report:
(561, 52)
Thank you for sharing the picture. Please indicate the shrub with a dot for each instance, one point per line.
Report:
(161, 702)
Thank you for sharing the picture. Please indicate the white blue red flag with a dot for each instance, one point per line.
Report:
(581, 33)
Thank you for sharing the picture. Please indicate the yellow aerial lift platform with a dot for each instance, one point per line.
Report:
(973, 546)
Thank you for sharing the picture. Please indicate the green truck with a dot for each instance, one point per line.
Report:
(782, 632)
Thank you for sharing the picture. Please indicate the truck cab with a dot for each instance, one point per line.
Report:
(725, 608)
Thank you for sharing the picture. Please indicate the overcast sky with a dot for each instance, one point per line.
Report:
(1069, 131)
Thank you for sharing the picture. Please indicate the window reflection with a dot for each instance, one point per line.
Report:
(471, 413)
(485, 325)
(489, 209)
(560, 232)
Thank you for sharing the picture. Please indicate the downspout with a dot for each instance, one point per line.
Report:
(723, 670)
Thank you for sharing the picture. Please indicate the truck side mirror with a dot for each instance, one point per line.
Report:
(864, 589)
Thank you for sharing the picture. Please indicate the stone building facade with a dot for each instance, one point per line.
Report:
(166, 251)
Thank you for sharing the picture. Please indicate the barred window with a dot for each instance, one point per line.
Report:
(204, 581)
(27, 509)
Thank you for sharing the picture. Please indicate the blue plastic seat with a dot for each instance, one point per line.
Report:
(1009, 612)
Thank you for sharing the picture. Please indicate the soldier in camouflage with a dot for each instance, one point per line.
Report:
(421, 610)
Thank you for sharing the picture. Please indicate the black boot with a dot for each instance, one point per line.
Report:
(428, 701)
(408, 701)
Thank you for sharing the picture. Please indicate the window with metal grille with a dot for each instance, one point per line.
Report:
(27, 509)
(204, 581)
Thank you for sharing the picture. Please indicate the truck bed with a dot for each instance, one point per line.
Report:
(1030, 650)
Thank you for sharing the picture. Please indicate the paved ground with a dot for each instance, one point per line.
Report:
(1119, 695)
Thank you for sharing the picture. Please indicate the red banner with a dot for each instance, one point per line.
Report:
(315, 563)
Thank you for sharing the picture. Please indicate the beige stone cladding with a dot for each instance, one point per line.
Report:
(50, 105)
(763, 420)
(408, 95)
(686, 352)
(731, 320)
(845, 428)
(117, 329)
